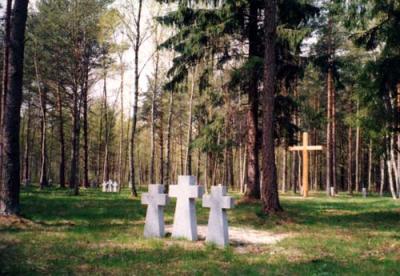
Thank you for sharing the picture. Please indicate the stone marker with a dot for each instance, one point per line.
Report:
(364, 192)
(104, 187)
(332, 191)
(186, 192)
(110, 186)
(115, 187)
(155, 200)
(218, 202)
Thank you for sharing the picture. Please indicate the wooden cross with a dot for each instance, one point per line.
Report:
(304, 149)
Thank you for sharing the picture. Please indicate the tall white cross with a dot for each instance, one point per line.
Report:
(155, 200)
(218, 202)
(186, 192)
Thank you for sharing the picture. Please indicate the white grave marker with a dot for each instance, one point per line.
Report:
(218, 202)
(114, 187)
(155, 200)
(186, 192)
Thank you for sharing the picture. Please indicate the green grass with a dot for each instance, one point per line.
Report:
(99, 233)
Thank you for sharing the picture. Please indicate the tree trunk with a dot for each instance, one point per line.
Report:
(121, 121)
(270, 194)
(357, 168)
(74, 173)
(369, 166)
(62, 137)
(106, 167)
(6, 64)
(85, 134)
(161, 137)
(188, 165)
(153, 120)
(167, 180)
(135, 106)
(43, 126)
(10, 182)
(27, 150)
(350, 162)
(253, 148)
(382, 176)
(284, 170)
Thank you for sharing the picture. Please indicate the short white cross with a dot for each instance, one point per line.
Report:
(218, 202)
(186, 192)
(155, 200)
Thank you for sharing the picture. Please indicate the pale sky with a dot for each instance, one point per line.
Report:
(146, 65)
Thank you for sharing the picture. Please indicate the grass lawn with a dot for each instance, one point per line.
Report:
(98, 233)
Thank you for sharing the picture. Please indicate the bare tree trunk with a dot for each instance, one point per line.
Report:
(169, 136)
(135, 106)
(357, 169)
(6, 64)
(284, 170)
(350, 162)
(62, 137)
(86, 183)
(121, 121)
(74, 173)
(253, 148)
(27, 150)
(100, 139)
(161, 137)
(188, 167)
(153, 119)
(43, 126)
(369, 166)
(390, 175)
(10, 166)
(270, 194)
(382, 176)
(106, 167)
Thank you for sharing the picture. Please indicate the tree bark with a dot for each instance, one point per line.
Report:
(357, 168)
(167, 180)
(253, 148)
(106, 167)
(121, 121)
(10, 182)
(6, 63)
(62, 138)
(135, 106)
(153, 120)
(350, 162)
(43, 126)
(86, 183)
(27, 150)
(188, 165)
(270, 194)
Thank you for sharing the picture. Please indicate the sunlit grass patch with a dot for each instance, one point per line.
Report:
(99, 233)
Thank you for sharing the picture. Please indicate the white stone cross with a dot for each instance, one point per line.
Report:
(155, 200)
(114, 187)
(186, 192)
(218, 202)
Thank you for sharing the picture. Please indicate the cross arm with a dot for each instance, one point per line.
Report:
(227, 202)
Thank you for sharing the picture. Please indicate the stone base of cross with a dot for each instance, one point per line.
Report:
(218, 202)
(155, 200)
(185, 222)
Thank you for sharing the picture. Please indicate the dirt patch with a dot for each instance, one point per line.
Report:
(16, 222)
(244, 239)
